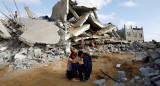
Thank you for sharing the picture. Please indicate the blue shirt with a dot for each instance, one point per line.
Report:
(87, 62)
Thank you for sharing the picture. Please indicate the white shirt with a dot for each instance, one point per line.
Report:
(69, 64)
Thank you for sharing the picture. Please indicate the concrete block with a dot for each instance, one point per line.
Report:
(101, 82)
(37, 52)
(144, 71)
(118, 66)
(154, 56)
(23, 51)
(121, 76)
(30, 52)
(147, 81)
(157, 62)
(119, 84)
(134, 79)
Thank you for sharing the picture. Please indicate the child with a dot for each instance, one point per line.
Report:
(71, 60)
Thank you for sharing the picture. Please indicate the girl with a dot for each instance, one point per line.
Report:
(71, 61)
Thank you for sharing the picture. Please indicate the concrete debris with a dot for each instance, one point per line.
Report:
(74, 13)
(154, 56)
(61, 10)
(101, 82)
(37, 52)
(3, 48)
(32, 41)
(118, 66)
(19, 56)
(119, 84)
(3, 31)
(95, 23)
(121, 76)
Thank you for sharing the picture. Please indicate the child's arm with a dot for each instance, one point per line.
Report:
(72, 50)
(74, 62)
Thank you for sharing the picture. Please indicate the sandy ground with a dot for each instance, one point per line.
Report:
(53, 74)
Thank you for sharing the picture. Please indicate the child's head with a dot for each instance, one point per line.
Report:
(80, 54)
(73, 55)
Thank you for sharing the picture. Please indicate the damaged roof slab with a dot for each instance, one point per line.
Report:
(105, 30)
(82, 20)
(79, 30)
(95, 22)
(40, 31)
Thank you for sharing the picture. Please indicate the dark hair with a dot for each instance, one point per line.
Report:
(81, 52)
(72, 54)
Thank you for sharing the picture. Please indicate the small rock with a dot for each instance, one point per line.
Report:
(101, 82)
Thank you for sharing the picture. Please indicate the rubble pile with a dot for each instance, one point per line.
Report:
(27, 42)
(147, 52)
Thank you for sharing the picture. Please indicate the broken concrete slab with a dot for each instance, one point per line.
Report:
(79, 30)
(81, 21)
(61, 10)
(83, 9)
(3, 31)
(87, 37)
(107, 29)
(101, 82)
(95, 23)
(39, 31)
(148, 71)
(95, 14)
(74, 13)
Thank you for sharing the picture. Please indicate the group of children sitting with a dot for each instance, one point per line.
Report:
(77, 71)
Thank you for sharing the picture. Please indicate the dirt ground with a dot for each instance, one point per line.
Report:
(53, 73)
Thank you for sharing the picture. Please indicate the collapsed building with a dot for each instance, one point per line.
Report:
(132, 34)
(26, 42)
